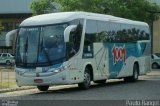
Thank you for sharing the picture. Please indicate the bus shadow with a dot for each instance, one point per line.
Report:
(94, 86)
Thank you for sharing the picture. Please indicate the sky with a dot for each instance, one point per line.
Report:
(157, 1)
(14, 6)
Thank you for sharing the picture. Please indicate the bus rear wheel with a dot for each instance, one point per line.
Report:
(87, 80)
(135, 75)
(43, 88)
(154, 65)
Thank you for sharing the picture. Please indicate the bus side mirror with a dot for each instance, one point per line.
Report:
(9, 37)
(67, 32)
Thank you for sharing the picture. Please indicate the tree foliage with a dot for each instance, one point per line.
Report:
(44, 6)
(133, 9)
(140, 10)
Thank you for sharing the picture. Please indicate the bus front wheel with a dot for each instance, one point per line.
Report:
(43, 88)
(100, 81)
(87, 80)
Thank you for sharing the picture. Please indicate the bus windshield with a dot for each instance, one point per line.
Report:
(40, 45)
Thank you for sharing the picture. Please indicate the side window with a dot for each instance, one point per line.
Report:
(144, 34)
(90, 37)
(103, 28)
(125, 33)
(75, 38)
(115, 30)
(4, 55)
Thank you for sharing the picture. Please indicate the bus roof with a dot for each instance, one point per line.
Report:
(53, 18)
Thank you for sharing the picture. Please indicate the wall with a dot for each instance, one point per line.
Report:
(156, 36)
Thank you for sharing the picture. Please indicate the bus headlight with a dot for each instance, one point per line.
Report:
(57, 70)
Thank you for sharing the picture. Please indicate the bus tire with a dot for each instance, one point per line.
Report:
(87, 80)
(100, 81)
(154, 65)
(8, 62)
(135, 75)
(43, 88)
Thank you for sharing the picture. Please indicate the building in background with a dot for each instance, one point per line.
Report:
(156, 36)
(156, 32)
(12, 13)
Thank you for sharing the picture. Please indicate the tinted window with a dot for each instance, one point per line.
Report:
(77, 33)
(157, 54)
(91, 34)
(127, 33)
(4, 55)
(103, 28)
(90, 37)
(75, 38)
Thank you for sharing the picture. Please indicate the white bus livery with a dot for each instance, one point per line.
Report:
(80, 47)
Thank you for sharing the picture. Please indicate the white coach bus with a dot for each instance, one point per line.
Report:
(80, 47)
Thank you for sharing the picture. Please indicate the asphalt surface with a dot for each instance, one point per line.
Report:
(147, 88)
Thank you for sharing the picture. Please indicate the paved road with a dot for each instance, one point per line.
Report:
(147, 88)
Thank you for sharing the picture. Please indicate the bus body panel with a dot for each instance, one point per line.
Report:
(123, 56)
(109, 60)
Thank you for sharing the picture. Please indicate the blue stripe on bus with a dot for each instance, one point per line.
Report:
(131, 49)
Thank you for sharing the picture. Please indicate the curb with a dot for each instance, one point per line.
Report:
(15, 89)
(32, 87)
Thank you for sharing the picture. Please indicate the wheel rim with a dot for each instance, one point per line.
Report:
(8, 63)
(87, 78)
(136, 74)
(154, 65)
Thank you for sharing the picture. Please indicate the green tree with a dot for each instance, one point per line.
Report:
(1, 28)
(44, 6)
(131, 9)
(81, 5)
(134, 9)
